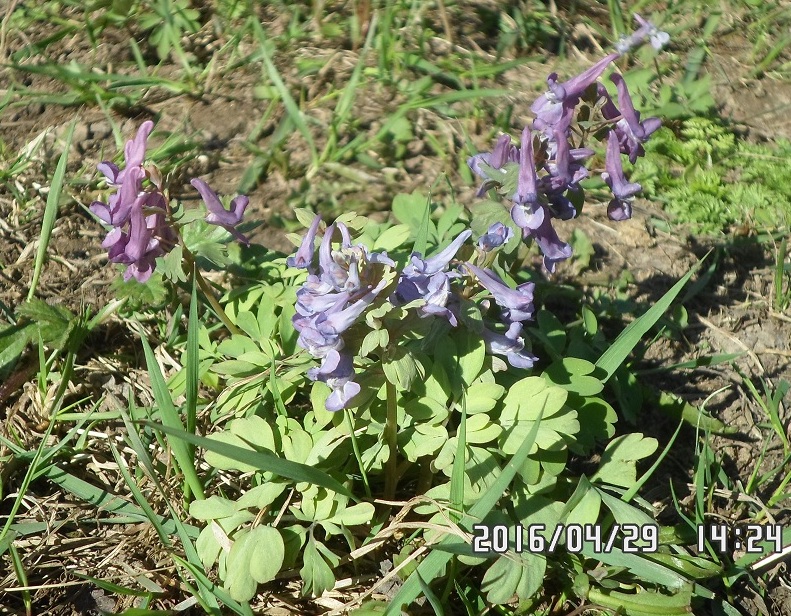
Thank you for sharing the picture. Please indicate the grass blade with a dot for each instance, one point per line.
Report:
(192, 362)
(171, 419)
(459, 464)
(50, 211)
(614, 356)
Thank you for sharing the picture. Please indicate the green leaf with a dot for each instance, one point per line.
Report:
(361, 513)
(315, 571)
(501, 580)
(424, 439)
(212, 508)
(520, 406)
(483, 397)
(261, 496)
(623, 512)
(571, 373)
(392, 238)
(618, 464)
(587, 509)
(172, 265)
(401, 368)
(481, 429)
(13, 340)
(265, 563)
(255, 557)
(521, 575)
(54, 323)
(426, 410)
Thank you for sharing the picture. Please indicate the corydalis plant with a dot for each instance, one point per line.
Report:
(349, 288)
(139, 212)
(550, 160)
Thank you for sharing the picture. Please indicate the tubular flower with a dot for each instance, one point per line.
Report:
(511, 344)
(620, 207)
(218, 215)
(527, 212)
(496, 235)
(336, 371)
(305, 253)
(631, 132)
(552, 107)
(516, 304)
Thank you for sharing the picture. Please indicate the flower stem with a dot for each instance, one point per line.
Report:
(390, 434)
(356, 448)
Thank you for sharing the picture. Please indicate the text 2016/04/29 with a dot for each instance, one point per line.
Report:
(573, 538)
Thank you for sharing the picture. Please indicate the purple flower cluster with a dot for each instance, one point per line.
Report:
(139, 233)
(334, 296)
(137, 212)
(346, 281)
(516, 307)
(546, 181)
(429, 280)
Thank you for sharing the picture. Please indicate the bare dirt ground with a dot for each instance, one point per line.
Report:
(731, 314)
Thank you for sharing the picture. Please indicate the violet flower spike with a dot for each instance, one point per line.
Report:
(218, 215)
(304, 256)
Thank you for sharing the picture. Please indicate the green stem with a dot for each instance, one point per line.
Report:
(356, 448)
(208, 292)
(390, 434)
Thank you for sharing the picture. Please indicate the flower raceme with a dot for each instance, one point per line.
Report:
(138, 212)
(336, 293)
(550, 161)
(345, 280)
